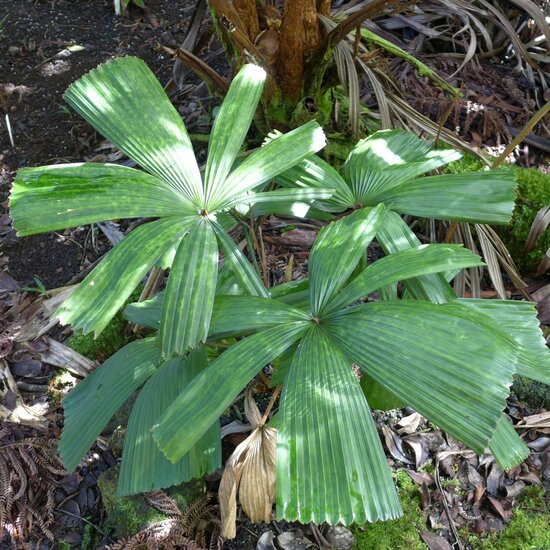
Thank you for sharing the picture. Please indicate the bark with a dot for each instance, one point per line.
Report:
(299, 37)
(248, 14)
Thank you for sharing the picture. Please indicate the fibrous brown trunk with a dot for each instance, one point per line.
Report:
(248, 14)
(299, 37)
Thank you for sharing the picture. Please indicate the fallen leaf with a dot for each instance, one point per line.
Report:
(250, 472)
(293, 540)
(435, 542)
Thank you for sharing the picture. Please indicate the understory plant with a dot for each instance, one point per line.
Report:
(336, 346)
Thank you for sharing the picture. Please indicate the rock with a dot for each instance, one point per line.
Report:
(340, 537)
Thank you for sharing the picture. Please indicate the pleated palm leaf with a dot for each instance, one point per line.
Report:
(124, 101)
(388, 167)
(451, 362)
(385, 168)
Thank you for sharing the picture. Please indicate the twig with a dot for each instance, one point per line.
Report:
(533, 121)
(83, 519)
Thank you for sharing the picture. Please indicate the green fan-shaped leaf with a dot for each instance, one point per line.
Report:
(67, 195)
(144, 468)
(484, 197)
(281, 196)
(231, 126)
(443, 360)
(507, 446)
(213, 390)
(519, 321)
(389, 158)
(336, 252)
(103, 292)
(267, 162)
(315, 172)
(125, 102)
(330, 462)
(396, 235)
(190, 291)
(147, 313)
(240, 315)
(93, 402)
(403, 265)
(378, 396)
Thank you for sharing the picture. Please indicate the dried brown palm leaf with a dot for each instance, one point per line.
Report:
(493, 265)
(250, 472)
(538, 227)
(544, 265)
(503, 255)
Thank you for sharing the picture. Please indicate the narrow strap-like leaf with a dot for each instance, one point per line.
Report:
(245, 274)
(519, 321)
(67, 195)
(214, 389)
(444, 360)
(103, 292)
(330, 462)
(403, 265)
(388, 158)
(125, 102)
(396, 235)
(336, 252)
(267, 162)
(93, 402)
(144, 468)
(241, 315)
(280, 196)
(231, 126)
(507, 446)
(483, 197)
(190, 291)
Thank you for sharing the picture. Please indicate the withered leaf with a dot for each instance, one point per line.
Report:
(250, 472)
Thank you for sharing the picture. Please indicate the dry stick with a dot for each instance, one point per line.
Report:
(263, 259)
(201, 69)
(533, 121)
(446, 507)
(271, 403)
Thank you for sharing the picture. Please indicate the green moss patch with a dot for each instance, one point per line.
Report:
(111, 339)
(126, 516)
(397, 534)
(529, 528)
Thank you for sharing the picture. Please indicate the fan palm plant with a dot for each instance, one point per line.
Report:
(451, 362)
(124, 101)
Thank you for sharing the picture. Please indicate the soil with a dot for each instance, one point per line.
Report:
(44, 46)
(36, 67)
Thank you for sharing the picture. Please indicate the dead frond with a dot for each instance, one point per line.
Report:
(28, 470)
(181, 530)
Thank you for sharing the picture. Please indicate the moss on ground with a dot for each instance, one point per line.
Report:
(397, 534)
(529, 528)
(126, 516)
(533, 194)
(111, 339)
(534, 394)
